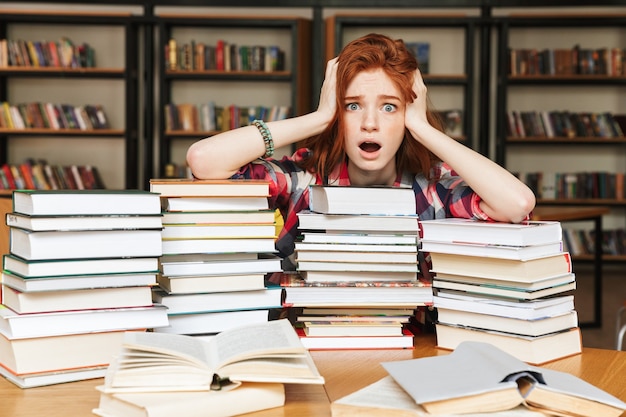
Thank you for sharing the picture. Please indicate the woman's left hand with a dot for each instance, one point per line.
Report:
(415, 112)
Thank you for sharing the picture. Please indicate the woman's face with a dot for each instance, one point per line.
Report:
(374, 128)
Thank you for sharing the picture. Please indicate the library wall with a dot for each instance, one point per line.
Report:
(106, 154)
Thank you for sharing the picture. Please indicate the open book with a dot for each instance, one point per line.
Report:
(386, 398)
(478, 377)
(267, 352)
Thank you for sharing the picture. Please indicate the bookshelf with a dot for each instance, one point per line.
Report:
(112, 83)
(289, 86)
(451, 82)
(585, 158)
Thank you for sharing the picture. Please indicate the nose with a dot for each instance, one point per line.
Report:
(369, 122)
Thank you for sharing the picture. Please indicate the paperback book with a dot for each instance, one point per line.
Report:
(268, 353)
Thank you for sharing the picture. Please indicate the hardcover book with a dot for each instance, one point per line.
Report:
(85, 244)
(21, 326)
(62, 352)
(526, 233)
(85, 202)
(187, 187)
(218, 217)
(214, 203)
(75, 223)
(245, 398)
(65, 300)
(531, 349)
(520, 253)
(536, 269)
(503, 382)
(361, 200)
(403, 341)
(309, 220)
(214, 322)
(300, 293)
(58, 267)
(270, 297)
(499, 306)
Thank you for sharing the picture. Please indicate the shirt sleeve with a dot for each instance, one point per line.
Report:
(283, 175)
(446, 194)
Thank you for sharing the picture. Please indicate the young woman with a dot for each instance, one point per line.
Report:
(372, 127)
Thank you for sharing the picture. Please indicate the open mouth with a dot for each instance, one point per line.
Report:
(369, 146)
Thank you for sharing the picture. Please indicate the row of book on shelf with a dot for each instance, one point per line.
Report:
(58, 54)
(191, 259)
(582, 241)
(564, 124)
(39, 115)
(222, 56)
(567, 61)
(39, 175)
(584, 184)
(208, 117)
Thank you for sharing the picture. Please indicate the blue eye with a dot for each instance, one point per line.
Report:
(389, 107)
(352, 106)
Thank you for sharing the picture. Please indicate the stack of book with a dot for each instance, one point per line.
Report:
(505, 284)
(218, 245)
(80, 272)
(359, 252)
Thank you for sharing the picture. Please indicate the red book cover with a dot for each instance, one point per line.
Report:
(9, 176)
(27, 175)
(219, 55)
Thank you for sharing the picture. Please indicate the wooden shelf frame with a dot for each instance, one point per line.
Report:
(128, 75)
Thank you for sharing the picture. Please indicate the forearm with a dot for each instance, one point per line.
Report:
(504, 197)
(220, 156)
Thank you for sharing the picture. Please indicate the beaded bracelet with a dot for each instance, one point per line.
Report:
(267, 137)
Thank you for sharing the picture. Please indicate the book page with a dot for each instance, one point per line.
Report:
(472, 368)
(384, 393)
(141, 347)
(276, 338)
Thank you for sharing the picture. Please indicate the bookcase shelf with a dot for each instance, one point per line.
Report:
(570, 92)
(63, 132)
(292, 34)
(507, 83)
(116, 70)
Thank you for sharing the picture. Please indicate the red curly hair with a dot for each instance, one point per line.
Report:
(369, 52)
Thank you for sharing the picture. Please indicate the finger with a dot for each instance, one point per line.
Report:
(330, 67)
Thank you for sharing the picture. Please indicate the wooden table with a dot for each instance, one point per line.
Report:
(345, 372)
(582, 213)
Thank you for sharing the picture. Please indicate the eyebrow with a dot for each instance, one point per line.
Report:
(382, 97)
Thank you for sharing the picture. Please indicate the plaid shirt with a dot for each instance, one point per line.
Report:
(445, 195)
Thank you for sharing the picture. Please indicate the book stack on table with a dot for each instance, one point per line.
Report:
(505, 284)
(218, 246)
(80, 272)
(357, 265)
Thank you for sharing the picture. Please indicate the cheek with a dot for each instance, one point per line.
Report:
(395, 129)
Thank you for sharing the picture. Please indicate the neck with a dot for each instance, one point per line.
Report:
(358, 177)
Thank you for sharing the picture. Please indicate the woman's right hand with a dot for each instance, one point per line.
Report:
(328, 95)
